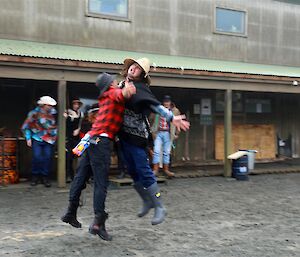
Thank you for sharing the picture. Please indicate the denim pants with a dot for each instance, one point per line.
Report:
(137, 163)
(41, 157)
(162, 142)
(95, 159)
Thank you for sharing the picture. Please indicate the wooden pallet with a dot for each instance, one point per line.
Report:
(120, 182)
(198, 173)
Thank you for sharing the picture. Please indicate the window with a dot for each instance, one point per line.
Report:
(108, 8)
(237, 102)
(230, 21)
(258, 105)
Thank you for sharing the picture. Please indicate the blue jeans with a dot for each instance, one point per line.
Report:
(162, 141)
(137, 162)
(41, 157)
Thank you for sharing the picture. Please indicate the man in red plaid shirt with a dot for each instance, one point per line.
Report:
(110, 115)
(108, 122)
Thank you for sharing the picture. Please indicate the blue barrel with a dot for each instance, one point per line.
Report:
(240, 168)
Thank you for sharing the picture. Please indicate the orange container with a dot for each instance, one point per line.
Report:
(8, 161)
(9, 177)
(8, 145)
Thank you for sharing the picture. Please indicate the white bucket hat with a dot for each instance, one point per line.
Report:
(46, 100)
(144, 63)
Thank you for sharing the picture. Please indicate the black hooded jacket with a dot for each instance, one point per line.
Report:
(135, 129)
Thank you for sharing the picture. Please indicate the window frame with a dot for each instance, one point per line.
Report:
(220, 99)
(237, 34)
(256, 101)
(107, 16)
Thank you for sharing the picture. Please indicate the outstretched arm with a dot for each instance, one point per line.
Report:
(179, 121)
(162, 111)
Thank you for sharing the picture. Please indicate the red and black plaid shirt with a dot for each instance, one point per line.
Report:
(110, 115)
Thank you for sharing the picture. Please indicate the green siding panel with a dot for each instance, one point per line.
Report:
(99, 55)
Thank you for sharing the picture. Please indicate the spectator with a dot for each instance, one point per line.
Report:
(164, 133)
(88, 119)
(174, 133)
(74, 119)
(40, 132)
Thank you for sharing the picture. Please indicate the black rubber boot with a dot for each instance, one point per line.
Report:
(160, 211)
(98, 226)
(45, 181)
(70, 216)
(147, 202)
(34, 180)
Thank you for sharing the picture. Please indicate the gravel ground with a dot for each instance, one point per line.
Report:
(211, 216)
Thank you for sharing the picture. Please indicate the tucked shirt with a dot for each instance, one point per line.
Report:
(110, 115)
(40, 125)
(163, 124)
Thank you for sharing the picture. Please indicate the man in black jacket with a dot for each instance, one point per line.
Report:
(135, 132)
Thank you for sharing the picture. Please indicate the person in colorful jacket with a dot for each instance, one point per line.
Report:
(40, 132)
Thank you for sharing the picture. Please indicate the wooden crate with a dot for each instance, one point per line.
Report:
(246, 136)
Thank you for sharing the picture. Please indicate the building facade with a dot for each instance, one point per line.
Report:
(269, 32)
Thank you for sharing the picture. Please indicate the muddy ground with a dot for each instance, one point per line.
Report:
(211, 216)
